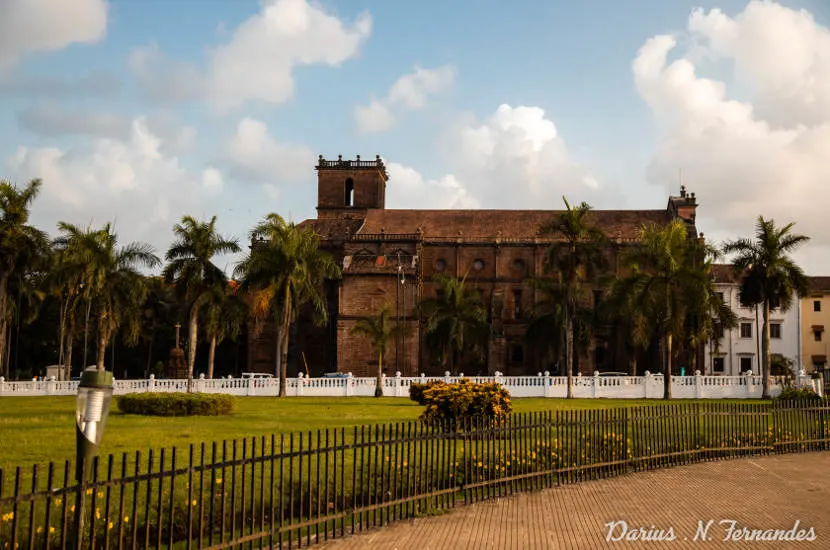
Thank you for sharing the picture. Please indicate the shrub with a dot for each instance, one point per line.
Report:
(790, 393)
(466, 399)
(176, 404)
(416, 390)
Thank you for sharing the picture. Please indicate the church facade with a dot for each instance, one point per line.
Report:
(391, 257)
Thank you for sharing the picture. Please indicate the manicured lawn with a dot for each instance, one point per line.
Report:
(40, 429)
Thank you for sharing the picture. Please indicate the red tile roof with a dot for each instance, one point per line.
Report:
(516, 224)
(724, 273)
(819, 284)
(332, 227)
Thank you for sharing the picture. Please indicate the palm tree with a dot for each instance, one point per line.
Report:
(770, 276)
(20, 243)
(576, 259)
(112, 283)
(669, 278)
(284, 271)
(456, 320)
(379, 329)
(225, 311)
(156, 313)
(191, 270)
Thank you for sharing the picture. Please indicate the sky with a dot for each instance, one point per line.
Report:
(140, 111)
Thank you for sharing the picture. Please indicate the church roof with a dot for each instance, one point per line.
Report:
(511, 224)
(332, 227)
(819, 284)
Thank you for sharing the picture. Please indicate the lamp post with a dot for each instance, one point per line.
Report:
(91, 409)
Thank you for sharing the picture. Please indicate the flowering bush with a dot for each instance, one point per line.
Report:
(791, 393)
(466, 399)
(416, 390)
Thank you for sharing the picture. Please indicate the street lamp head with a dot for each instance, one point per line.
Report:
(91, 409)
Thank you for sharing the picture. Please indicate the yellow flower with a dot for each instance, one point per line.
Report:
(72, 508)
(39, 530)
(58, 502)
(126, 519)
(193, 503)
(51, 530)
(109, 526)
(89, 491)
(97, 513)
(100, 494)
(219, 480)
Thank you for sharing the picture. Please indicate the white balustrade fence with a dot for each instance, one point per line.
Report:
(543, 385)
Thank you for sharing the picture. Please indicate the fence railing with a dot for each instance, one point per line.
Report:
(542, 385)
(295, 490)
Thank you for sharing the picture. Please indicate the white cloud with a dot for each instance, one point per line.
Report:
(409, 189)
(98, 84)
(254, 155)
(514, 159)
(766, 154)
(258, 61)
(132, 182)
(409, 93)
(28, 26)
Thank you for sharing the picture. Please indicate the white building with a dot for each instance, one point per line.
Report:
(738, 350)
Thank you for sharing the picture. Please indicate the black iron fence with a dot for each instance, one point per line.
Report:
(295, 490)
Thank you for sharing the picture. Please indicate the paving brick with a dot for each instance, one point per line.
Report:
(760, 493)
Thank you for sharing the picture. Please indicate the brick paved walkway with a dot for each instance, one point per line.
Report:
(761, 493)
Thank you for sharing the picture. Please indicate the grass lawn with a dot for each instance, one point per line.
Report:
(40, 429)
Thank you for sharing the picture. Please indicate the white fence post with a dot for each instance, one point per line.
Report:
(151, 384)
(2, 385)
(447, 376)
(398, 384)
(249, 384)
(299, 384)
(349, 382)
(698, 385)
(596, 383)
(548, 386)
(200, 384)
(646, 383)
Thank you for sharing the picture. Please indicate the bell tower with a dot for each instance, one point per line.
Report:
(347, 188)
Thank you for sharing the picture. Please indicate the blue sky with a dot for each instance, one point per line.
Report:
(515, 105)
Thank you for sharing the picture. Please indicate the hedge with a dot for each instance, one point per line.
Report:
(176, 404)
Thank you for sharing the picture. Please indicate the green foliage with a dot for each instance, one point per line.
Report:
(466, 399)
(416, 390)
(176, 404)
(791, 393)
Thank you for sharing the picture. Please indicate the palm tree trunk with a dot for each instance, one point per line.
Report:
(569, 350)
(765, 355)
(379, 381)
(667, 374)
(61, 333)
(193, 335)
(632, 365)
(150, 351)
(70, 337)
(102, 341)
(4, 283)
(283, 351)
(211, 355)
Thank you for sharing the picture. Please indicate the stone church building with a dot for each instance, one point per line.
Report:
(389, 257)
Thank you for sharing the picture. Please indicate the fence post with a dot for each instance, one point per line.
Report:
(200, 384)
(349, 382)
(249, 383)
(2, 385)
(548, 386)
(299, 384)
(646, 383)
(596, 384)
(698, 385)
(447, 376)
(748, 383)
(398, 388)
(151, 384)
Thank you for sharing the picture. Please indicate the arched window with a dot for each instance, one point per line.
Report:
(349, 191)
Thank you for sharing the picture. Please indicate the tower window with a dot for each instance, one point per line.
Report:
(349, 192)
(517, 303)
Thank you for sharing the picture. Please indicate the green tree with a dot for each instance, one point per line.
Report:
(770, 277)
(156, 312)
(109, 272)
(576, 259)
(548, 317)
(669, 279)
(21, 246)
(191, 270)
(379, 329)
(225, 311)
(456, 321)
(284, 272)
